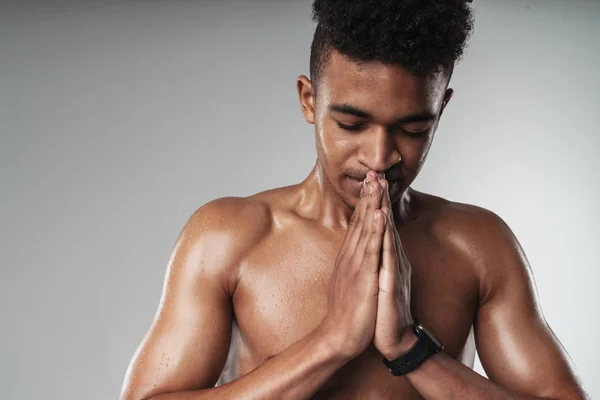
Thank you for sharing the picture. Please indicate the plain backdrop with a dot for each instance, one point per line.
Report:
(119, 118)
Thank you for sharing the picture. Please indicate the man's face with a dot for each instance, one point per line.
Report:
(374, 116)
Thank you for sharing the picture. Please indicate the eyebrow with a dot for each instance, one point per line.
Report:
(357, 112)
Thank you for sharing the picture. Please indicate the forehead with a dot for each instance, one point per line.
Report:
(382, 87)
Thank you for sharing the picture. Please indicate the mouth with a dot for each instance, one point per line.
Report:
(355, 183)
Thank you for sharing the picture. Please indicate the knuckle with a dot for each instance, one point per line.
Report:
(363, 233)
(378, 191)
(374, 245)
(375, 229)
(364, 191)
(371, 250)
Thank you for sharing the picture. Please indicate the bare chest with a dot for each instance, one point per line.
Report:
(282, 296)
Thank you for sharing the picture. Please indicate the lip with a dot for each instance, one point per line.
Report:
(355, 183)
(358, 183)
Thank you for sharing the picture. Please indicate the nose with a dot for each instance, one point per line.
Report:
(379, 151)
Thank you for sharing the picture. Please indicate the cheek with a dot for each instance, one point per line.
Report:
(333, 147)
(415, 151)
(424, 148)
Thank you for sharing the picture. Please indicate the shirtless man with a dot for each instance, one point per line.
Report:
(302, 291)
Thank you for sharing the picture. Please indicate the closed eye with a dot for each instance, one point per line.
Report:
(414, 134)
(352, 128)
(416, 130)
(361, 126)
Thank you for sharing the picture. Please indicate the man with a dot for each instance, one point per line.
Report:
(351, 284)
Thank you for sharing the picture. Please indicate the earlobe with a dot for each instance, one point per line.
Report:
(307, 98)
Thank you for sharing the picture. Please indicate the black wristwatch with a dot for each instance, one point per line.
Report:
(425, 346)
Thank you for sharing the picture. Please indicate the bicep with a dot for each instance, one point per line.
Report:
(187, 344)
(516, 346)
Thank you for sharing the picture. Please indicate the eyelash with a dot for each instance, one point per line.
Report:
(352, 128)
(356, 128)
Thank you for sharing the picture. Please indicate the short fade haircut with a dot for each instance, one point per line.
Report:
(422, 36)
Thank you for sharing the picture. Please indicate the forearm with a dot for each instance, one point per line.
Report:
(297, 373)
(442, 377)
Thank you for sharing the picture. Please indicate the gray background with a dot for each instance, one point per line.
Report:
(119, 119)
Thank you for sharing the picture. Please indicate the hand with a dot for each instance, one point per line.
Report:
(354, 285)
(393, 331)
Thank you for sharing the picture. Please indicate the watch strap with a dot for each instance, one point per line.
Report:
(423, 348)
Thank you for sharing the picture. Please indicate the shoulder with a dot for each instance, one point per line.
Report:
(482, 238)
(464, 225)
(470, 227)
(218, 234)
(245, 217)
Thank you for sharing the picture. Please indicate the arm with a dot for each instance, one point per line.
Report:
(519, 352)
(183, 353)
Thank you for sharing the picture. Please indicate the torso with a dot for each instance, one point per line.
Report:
(281, 296)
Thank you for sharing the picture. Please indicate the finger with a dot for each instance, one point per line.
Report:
(373, 246)
(370, 189)
(356, 217)
(386, 202)
(386, 206)
(398, 258)
(373, 204)
(389, 253)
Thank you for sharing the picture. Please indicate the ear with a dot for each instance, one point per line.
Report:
(447, 97)
(306, 95)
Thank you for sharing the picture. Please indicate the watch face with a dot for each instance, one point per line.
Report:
(420, 328)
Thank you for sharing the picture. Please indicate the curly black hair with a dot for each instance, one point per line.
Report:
(423, 36)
